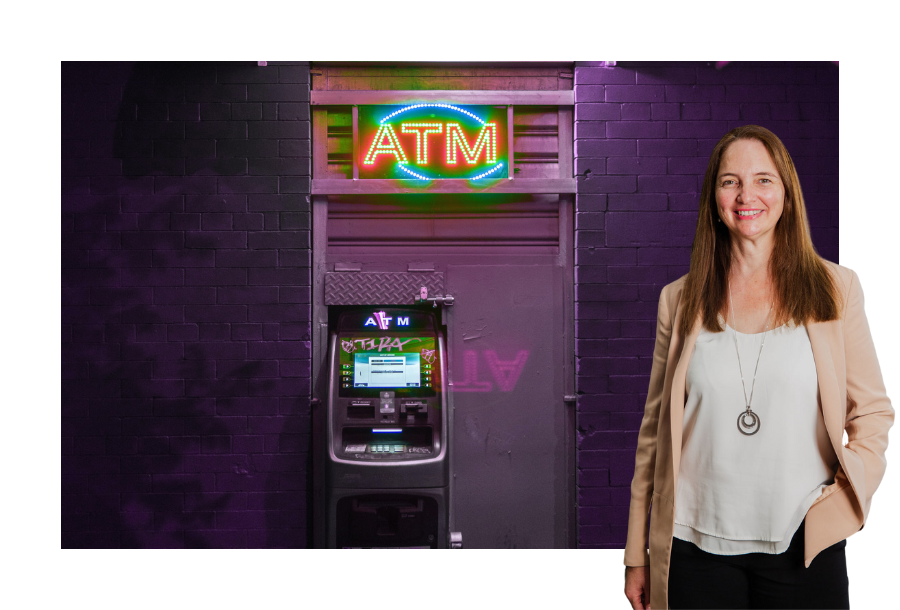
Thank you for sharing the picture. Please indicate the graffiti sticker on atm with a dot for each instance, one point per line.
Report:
(387, 362)
(433, 141)
(375, 343)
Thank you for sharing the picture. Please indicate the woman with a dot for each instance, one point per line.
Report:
(763, 360)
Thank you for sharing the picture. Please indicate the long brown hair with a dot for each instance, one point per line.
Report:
(804, 288)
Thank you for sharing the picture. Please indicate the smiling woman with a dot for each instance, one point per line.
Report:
(749, 192)
(755, 517)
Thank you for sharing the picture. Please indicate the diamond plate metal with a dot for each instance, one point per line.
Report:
(370, 288)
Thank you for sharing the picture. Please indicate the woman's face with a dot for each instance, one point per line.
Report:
(749, 191)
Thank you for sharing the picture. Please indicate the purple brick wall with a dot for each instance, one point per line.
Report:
(643, 136)
(185, 305)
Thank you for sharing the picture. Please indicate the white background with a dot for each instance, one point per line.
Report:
(38, 573)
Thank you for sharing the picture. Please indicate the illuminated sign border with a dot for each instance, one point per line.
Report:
(454, 140)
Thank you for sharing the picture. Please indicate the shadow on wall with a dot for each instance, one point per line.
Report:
(157, 448)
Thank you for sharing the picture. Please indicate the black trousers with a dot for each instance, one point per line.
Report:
(698, 579)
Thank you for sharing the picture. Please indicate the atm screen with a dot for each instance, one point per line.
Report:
(405, 364)
(376, 370)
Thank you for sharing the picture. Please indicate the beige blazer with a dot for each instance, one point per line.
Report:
(853, 400)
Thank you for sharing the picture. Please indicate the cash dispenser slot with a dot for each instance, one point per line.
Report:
(389, 442)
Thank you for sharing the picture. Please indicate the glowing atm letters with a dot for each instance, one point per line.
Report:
(387, 143)
(382, 321)
(432, 141)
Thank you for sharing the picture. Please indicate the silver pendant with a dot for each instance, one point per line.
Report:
(748, 422)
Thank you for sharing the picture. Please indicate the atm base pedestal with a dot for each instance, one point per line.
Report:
(387, 518)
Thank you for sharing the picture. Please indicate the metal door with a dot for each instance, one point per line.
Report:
(510, 441)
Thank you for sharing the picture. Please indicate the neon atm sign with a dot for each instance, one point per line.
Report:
(433, 141)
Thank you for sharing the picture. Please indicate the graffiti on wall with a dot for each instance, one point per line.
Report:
(504, 373)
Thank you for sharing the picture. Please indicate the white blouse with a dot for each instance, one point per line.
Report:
(748, 494)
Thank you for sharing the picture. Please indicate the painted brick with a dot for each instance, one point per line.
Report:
(636, 112)
(216, 239)
(591, 329)
(639, 328)
(290, 294)
(215, 203)
(695, 111)
(665, 112)
(215, 277)
(608, 366)
(215, 111)
(607, 184)
(221, 93)
(589, 93)
(696, 129)
(292, 111)
(636, 274)
(210, 331)
(278, 129)
(724, 112)
(587, 166)
(666, 74)
(293, 148)
(292, 184)
(627, 384)
(635, 129)
(636, 165)
(755, 93)
(605, 292)
(667, 148)
(755, 112)
(591, 203)
(636, 93)
(282, 92)
(695, 93)
(247, 184)
(633, 311)
(246, 258)
(590, 239)
(590, 129)
(611, 75)
(279, 277)
(610, 402)
(280, 166)
(605, 148)
(695, 166)
(817, 112)
(666, 184)
(215, 167)
(606, 256)
(684, 202)
(598, 112)
(242, 148)
(172, 185)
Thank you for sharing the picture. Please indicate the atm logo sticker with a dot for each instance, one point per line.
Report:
(381, 320)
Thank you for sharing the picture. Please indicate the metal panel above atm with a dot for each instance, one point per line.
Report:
(364, 288)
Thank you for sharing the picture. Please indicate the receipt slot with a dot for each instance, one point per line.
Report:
(385, 474)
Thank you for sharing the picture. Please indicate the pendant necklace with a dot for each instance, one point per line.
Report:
(748, 421)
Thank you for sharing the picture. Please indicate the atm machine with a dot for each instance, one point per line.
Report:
(383, 450)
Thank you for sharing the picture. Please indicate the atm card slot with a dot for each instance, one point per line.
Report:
(361, 411)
